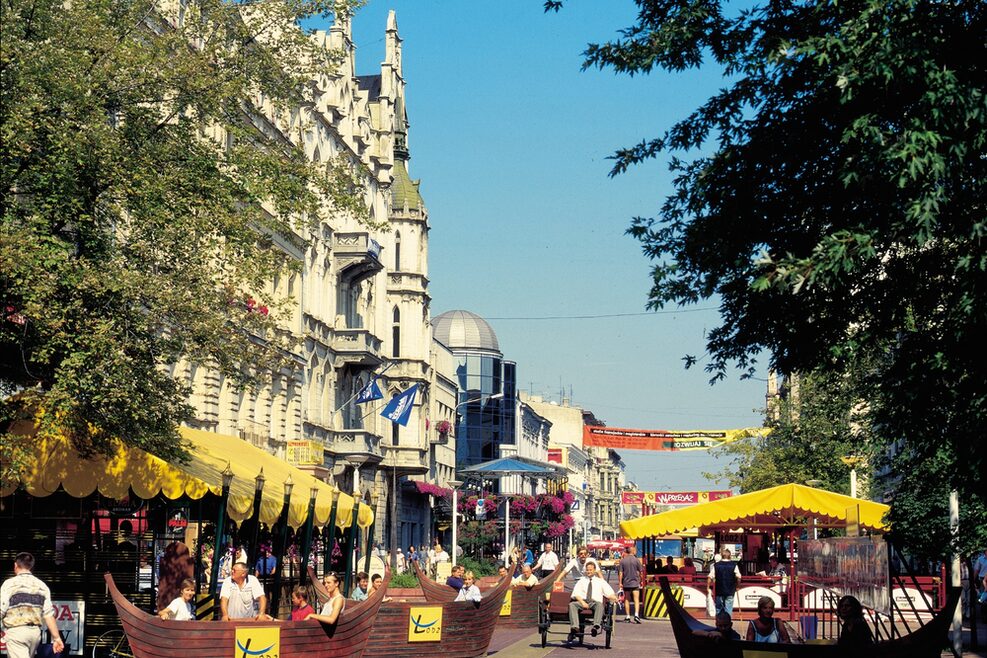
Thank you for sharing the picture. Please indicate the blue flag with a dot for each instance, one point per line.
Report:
(398, 410)
(369, 393)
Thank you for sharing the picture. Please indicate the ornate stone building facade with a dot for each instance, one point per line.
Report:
(358, 304)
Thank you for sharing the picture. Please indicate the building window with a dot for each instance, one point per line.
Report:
(396, 334)
(397, 251)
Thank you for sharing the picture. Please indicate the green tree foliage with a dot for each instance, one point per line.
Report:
(831, 197)
(816, 423)
(920, 512)
(142, 205)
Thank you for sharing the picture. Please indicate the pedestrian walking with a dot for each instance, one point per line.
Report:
(25, 604)
(547, 562)
(725, 577)
(629, 572)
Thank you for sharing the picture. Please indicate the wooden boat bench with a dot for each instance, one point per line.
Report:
(556, 609)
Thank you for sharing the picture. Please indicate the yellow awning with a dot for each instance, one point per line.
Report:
(56, 463)
(776, 507)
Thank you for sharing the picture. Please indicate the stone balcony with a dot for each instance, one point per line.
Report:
(357, 445)
(409, 460)
(358, 256)
(407, 282)
(415, 369)
(356, 347)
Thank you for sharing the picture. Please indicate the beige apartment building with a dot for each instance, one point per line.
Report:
(596, 475)
(358, 307)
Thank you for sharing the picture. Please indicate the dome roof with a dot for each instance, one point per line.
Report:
(465, 330)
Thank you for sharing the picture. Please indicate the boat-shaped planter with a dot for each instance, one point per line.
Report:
(925, 642)
(152, 637)
(520, 612)
(419, 629)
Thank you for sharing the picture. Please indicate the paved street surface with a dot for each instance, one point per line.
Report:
(651, 639)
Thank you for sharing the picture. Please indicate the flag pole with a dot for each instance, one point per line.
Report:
(357, 394)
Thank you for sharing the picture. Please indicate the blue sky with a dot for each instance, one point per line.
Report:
(510, 139)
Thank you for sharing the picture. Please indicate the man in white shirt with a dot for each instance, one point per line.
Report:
(589, 594)
(25, 606)
(527, 578)
(242, 596)
(547, 562)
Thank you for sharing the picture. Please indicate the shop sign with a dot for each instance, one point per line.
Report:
(555, 455)
(177, 522)
(254, 642)
(425, 624)
(672, 497)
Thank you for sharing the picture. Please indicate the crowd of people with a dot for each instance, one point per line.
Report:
(26, 608)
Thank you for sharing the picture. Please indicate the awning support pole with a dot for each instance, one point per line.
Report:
(218, 544)
(258, 494)
(282, 541)
(351, 558)
(307, 541)
(329, 534)
(370, 543)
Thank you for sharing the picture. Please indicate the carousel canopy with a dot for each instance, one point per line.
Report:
(57, 464)
(777, 507)
(507, 466)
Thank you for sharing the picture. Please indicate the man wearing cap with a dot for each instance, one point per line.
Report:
(25, 604)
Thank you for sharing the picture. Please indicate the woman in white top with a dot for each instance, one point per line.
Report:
(334, 606)
(180, 609)
(469, 591)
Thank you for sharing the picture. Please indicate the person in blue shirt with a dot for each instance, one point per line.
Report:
(266, 564)
(455, 580)
(529, 557)
(362, 589)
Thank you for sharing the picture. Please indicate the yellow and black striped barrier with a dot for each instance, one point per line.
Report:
(654, 601)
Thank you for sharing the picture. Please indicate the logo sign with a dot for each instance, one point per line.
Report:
(749, 596)
(257, 642)
(505, 610)
(425, 624)
(481, 509)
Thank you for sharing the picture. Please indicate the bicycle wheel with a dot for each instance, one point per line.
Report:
(112, 644)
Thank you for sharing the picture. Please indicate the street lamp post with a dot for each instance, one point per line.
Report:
(455, 484)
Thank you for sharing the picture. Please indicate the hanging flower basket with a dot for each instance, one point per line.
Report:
(443, 427)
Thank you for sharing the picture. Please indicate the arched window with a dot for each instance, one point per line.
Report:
(397, 251)
(396, 333)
